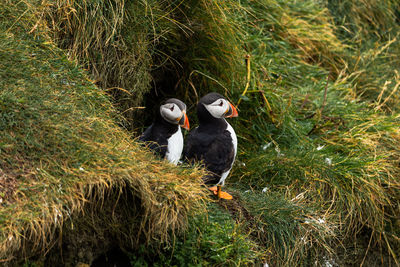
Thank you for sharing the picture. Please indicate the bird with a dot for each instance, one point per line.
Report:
(164, 136)
(214, 141)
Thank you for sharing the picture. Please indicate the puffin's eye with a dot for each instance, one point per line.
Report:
(221, 103)
(172, 108)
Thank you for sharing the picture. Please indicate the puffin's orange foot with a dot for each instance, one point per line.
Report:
(225, 195)
(214, 189)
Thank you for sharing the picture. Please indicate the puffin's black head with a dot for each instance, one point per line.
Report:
(214, 105)
(174, 111)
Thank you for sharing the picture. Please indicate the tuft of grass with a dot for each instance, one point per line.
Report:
(201, 53)
(305, 132)
(371, 28)
(66, 156)
(358, 19)
(212, 239)
(159, 47)
(290, 230)
(112, 39)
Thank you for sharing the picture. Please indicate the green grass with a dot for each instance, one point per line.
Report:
(371, 27)
(318, 125)
(292, 231)
(212, 239)
(64, 155)
(348, 178)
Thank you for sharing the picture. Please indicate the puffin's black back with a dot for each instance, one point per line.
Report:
(160, 131)
(214, 150)
(210, 143)
(157, 136)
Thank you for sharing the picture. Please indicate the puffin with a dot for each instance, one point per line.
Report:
(164, 135)
(213, 142)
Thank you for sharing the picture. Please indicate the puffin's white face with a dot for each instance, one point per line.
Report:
(218, 108)
(171, 112)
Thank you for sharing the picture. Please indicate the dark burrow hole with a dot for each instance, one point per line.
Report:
(115, 257)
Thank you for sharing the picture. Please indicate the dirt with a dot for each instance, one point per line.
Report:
(242, 216)
(236, 209)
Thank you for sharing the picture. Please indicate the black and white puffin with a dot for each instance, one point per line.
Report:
(213, 142)
(164, 136)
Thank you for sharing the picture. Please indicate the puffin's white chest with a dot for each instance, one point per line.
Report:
(234, 142)
(234, 138)
(175, 147)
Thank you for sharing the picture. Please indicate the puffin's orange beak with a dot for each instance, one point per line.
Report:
(231, 112)
(184, 122)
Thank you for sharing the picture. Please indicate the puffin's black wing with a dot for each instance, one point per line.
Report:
(146, 134)
(155, 140)
(216, 152)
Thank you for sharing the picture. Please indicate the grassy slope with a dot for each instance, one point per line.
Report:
(330, 151)
(326, 151)
(317, 128)
(344, 184)
(62, 151)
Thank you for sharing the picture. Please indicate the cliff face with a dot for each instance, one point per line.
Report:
(318, 134)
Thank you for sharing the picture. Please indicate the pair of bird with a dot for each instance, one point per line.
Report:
(213, 142)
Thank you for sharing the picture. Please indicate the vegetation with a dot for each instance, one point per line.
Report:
(212, 239)
(316, 177)
(65, 161)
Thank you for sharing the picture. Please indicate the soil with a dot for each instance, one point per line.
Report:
(236, 209)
